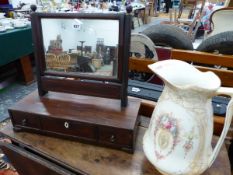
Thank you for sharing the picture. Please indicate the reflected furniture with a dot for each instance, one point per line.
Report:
(58, 62)
(64, 60)
(51, 60)
(87, 49)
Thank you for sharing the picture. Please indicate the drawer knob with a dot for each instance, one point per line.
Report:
(67, 125)
(112, 138)
(24, 122)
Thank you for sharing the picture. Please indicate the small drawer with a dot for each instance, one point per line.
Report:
(68, 127)
(116, 136)
(24, 119)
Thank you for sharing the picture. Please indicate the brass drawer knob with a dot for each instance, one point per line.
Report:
(67, 125)
(113, 138)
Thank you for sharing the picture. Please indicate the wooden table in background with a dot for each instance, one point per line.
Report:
(17, 46)
(40, 155)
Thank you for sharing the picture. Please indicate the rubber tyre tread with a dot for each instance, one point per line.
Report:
(223, 42)
(169, 35)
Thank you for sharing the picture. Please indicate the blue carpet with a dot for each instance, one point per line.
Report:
(11, 94)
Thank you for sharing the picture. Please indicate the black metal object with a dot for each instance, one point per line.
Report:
(84, 64)
(152, 92)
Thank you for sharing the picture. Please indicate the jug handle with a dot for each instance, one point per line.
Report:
(227, 122)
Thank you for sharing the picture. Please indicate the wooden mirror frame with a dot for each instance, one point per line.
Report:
(100, 86)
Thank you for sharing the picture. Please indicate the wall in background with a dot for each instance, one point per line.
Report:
(72, 31)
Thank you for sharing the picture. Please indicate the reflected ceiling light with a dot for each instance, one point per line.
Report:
(78, 21)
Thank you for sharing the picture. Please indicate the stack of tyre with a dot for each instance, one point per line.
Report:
(175, 37)
(168, 36)
(219, 43)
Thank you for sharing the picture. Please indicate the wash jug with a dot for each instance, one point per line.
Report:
(178, 139)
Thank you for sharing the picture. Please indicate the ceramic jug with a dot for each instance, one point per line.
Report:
(178, 139)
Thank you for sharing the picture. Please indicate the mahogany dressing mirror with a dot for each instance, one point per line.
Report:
(85, 54)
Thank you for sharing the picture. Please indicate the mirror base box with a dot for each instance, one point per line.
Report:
(94, 120)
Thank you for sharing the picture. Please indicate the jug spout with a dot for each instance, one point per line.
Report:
(183, 75)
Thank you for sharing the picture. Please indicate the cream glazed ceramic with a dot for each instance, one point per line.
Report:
(178, 140)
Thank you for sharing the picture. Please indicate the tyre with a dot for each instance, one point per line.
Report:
(219, 43)
(169, 35)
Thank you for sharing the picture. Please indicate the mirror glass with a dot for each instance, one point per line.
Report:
(82, 46)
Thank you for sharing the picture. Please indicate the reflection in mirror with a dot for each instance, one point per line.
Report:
(86, 46)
